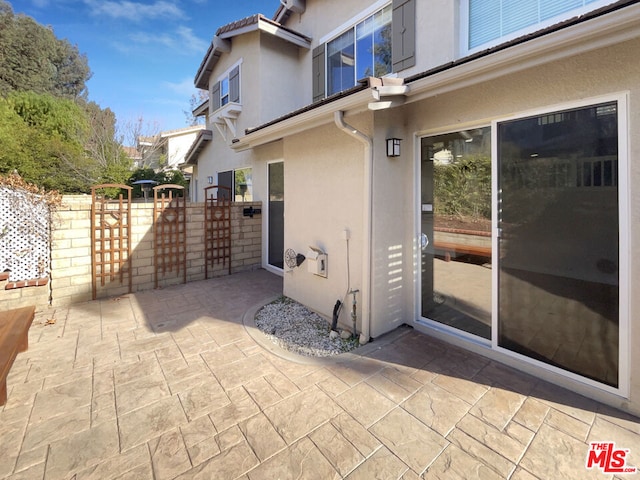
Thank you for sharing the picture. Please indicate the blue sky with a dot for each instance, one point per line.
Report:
(143, 54)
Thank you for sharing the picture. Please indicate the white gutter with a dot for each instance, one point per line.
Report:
(596, 33)
(302, 122)
(365, 292)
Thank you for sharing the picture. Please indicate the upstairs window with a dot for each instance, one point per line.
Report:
(360, 52)
(226, 89)
(379, 41)
(495, 21)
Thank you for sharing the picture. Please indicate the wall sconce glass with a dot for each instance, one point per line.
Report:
(393, 147)
(210, 180)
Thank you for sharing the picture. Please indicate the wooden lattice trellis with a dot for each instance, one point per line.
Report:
(170, 232)
(217, 227)
(110, 237)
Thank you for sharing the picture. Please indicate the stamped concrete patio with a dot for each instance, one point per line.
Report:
(171, 384)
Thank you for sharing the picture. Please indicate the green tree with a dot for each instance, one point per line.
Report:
(43, 140)
(33, 59)
(175, 177)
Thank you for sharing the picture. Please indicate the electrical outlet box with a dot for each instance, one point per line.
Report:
(317, 262)
(346, 234)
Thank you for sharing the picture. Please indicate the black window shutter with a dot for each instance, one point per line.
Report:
(318, 72)
(403, 40)
(215, 97)
(234, 85)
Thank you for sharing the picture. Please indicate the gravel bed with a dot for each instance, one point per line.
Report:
(295, 328)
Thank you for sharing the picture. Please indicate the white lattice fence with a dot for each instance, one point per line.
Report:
(25, 221)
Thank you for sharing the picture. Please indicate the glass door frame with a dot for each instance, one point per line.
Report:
(265, 208)
(623, 243)
(432, 324)
(624, 209)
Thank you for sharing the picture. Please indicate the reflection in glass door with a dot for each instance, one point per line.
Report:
(558, 244)
(455, 232)
(276, 215)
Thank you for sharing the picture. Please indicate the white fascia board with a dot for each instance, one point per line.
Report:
(315, 117)
(217, 47)
(284, 34)
(201, 109)
(603, 31)
(270, 28)
(606, 30)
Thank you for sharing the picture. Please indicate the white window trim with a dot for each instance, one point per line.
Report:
(225, 117)
(353, 21)
(464, 26)
(624, 374)
(226, 75)
(351, 25)
(228, 70)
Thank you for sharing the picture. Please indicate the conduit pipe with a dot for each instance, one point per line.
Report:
(367, 222)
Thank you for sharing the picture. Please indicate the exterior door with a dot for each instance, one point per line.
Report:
(558, 281)
(275, 251)
(455, 237)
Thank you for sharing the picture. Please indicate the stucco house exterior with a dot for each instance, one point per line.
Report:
(467, 167)
(167, 149)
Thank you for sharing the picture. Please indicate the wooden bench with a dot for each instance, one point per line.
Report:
(461, 249)
(14, 338)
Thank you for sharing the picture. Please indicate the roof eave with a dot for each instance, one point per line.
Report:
(290, 36)
(309, 118)
(263, 24)
(604, 30)
(201, 109)
(204, 137)
(217, 47)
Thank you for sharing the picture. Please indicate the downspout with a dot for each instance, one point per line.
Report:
(367, 221)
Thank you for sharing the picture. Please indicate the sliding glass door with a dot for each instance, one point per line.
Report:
(558, 278)
(275, 251)
(521, 238)
(455, 211)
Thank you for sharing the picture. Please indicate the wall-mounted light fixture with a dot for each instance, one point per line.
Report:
(393, 147)
(210, 180)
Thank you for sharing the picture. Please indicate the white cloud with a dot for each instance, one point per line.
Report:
(182, 41)
(191, 42)
(135, 11)
(184, 88)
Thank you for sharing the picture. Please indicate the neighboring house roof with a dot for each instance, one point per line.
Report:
(181, 131)
(132, 153)
(199, 144)
(448, 66)
(220, 43)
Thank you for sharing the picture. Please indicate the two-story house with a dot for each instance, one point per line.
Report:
(466, 166)
(166, 150)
